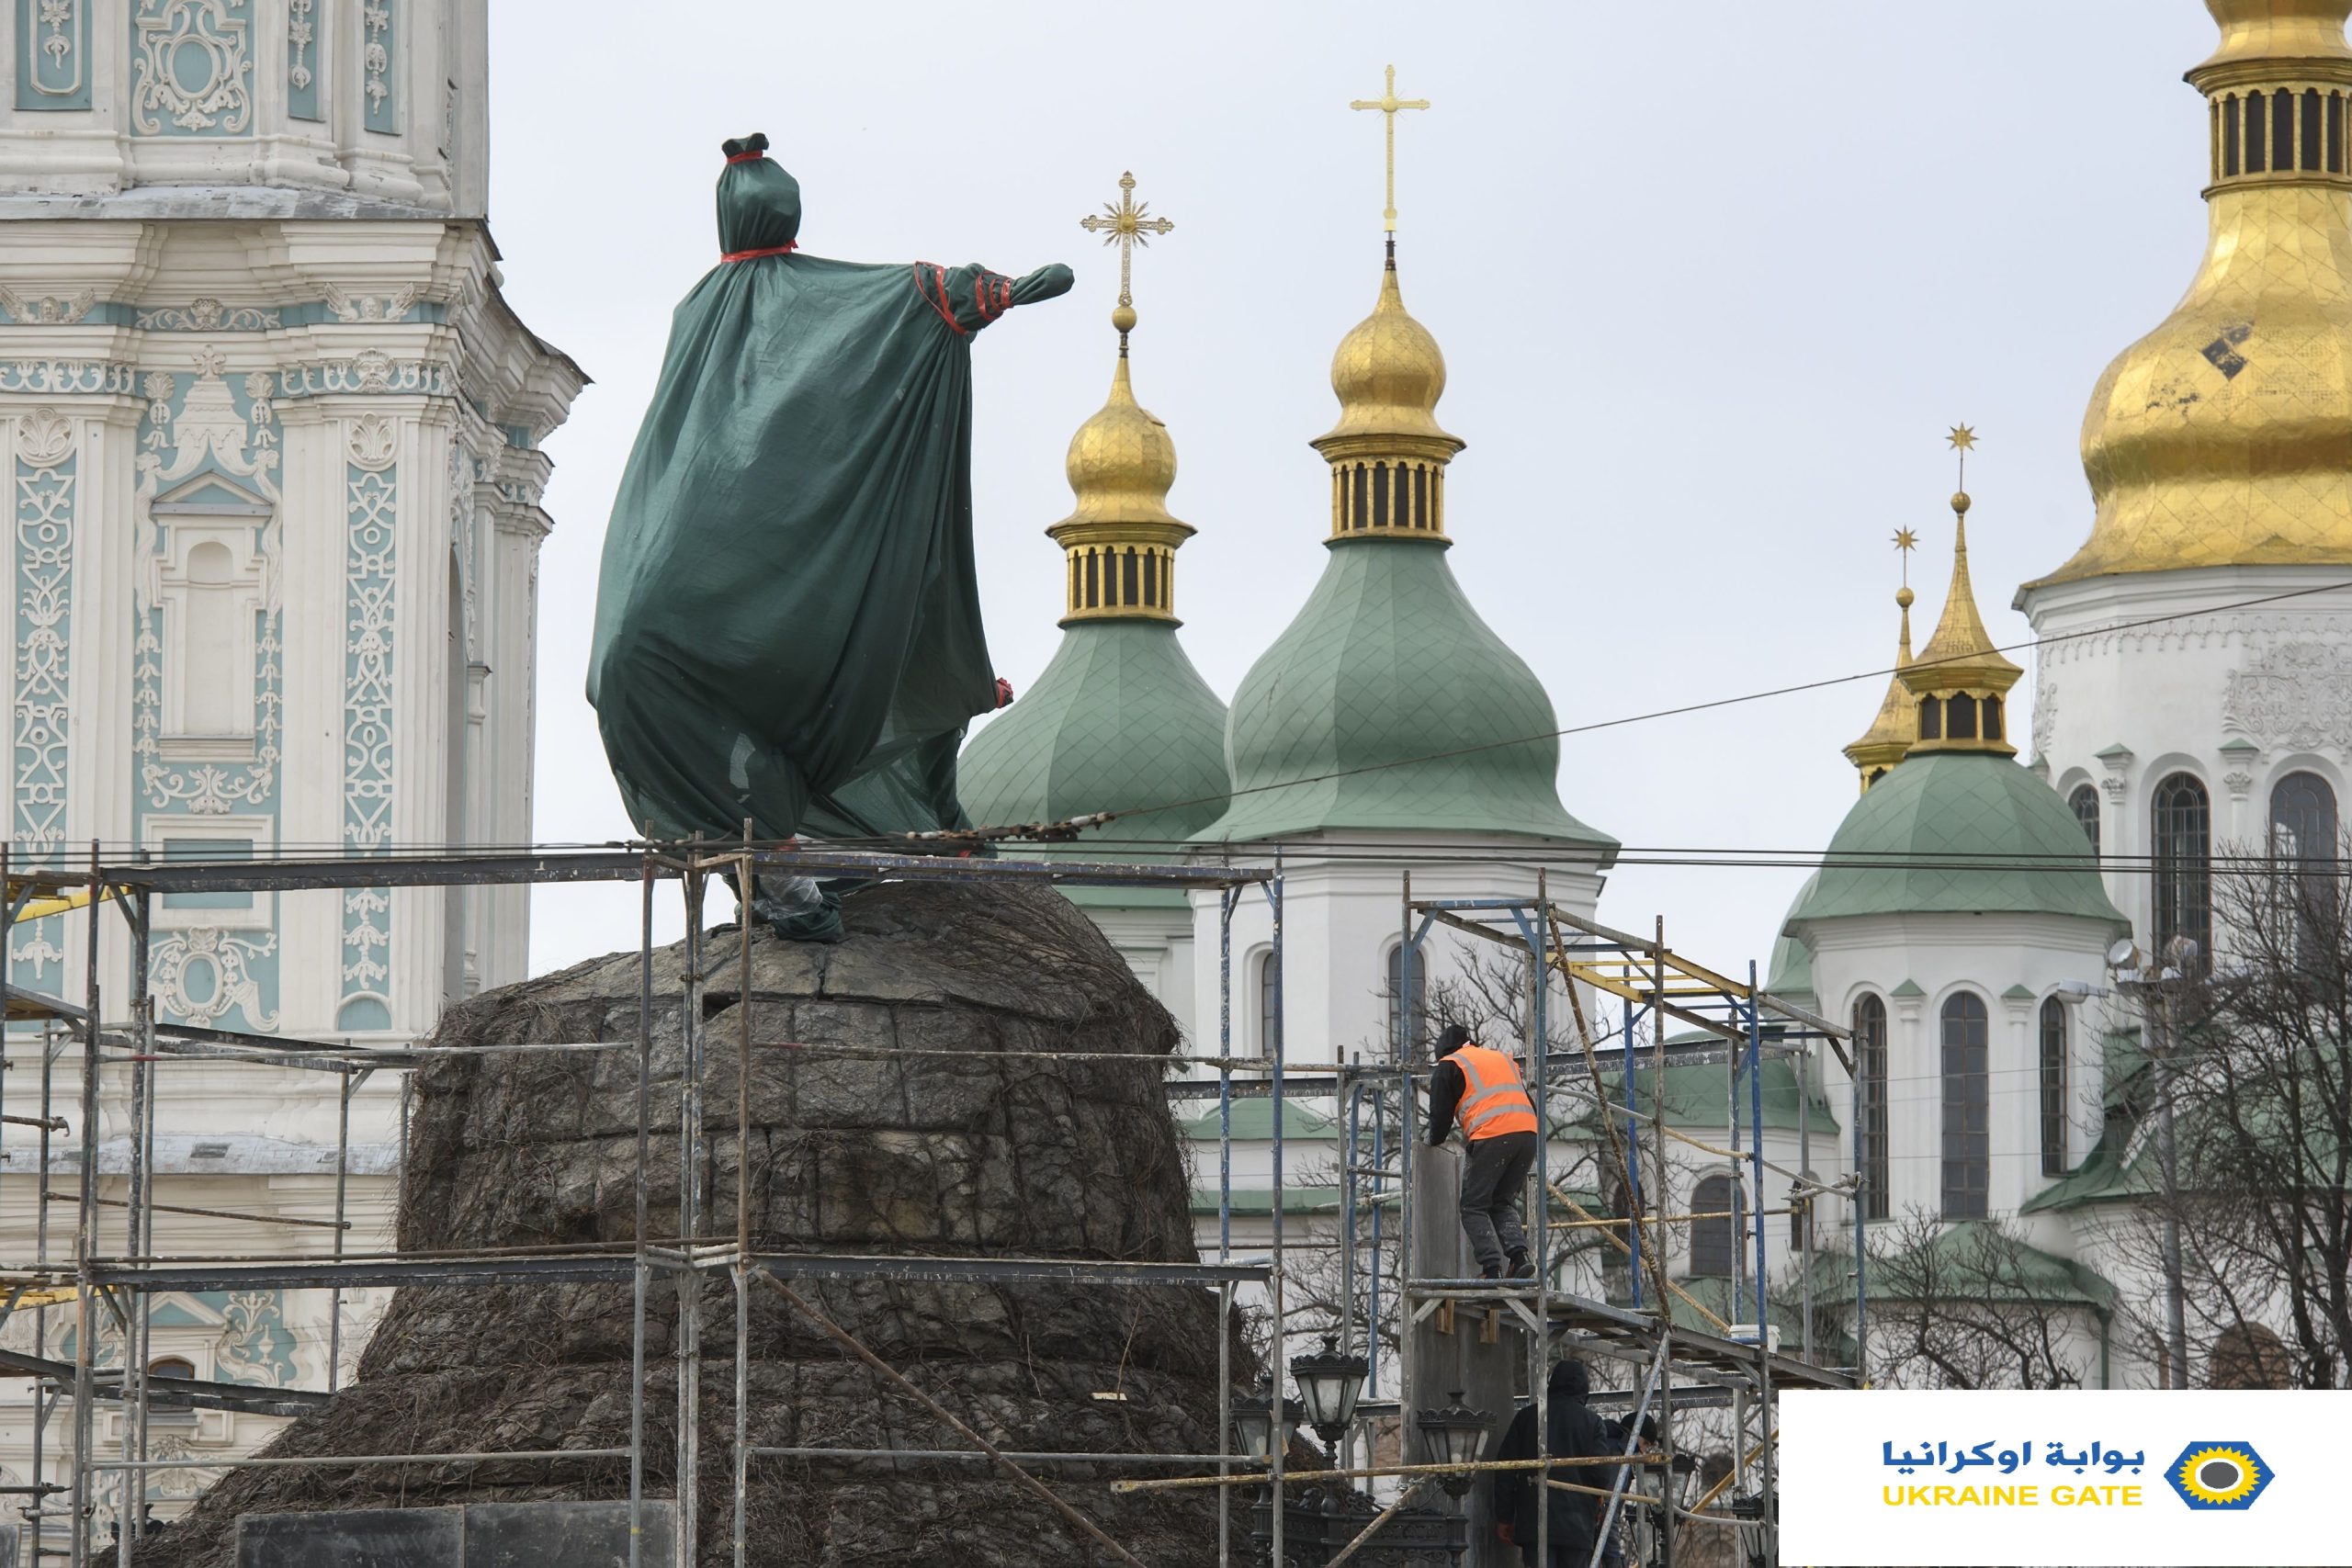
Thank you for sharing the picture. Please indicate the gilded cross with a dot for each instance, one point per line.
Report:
(1388, 103)
(1127, 225)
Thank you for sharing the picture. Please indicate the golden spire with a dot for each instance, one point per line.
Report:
(1388, 103)
(1960, 679)
(1891, 734)
(1119, 542)
(1126, 225)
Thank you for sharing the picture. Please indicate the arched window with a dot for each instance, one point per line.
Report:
(2336, 133)
(215, 701)
(1269, 1003)
(2310, 138)
(2183, 856)
(1421, 495)
(1959, 718)
(1869, 1094)
(1714, 1242)
(1393, 991)
(1931, 718)
(2246, 1355)
(171, 1367)
(1363, 511)
(2282, 130)
(2084, 803)
(2302, 819)
(1967, 1151)
(1093, 580)
(2054, 1088)
(2230, 135)
(2257, 132)
(1151, 579)
(1993, 716)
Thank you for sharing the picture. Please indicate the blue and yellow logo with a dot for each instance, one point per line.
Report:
(2219, 1477)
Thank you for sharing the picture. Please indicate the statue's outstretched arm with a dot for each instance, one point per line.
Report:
(1050, 281)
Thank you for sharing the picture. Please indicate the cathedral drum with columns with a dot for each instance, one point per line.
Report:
(2219, 450)
(273, 446)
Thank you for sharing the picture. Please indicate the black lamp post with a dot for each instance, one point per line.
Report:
(1328, 1382)
(1454, 1434)
(1254, 1420)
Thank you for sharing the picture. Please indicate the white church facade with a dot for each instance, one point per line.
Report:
(273, 440)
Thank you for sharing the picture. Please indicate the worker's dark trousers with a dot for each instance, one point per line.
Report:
(1492, 1179)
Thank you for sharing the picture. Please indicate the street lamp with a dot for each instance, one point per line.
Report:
(1254, 1424)
(2156, 993)
(1456, 1435)
(1328, 1382)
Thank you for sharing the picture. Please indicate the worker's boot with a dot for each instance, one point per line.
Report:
(1521, 1266)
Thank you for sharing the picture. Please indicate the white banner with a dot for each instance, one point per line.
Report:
(1894, 1478)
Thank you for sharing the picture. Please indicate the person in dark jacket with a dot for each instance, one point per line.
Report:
(1575, 1432)
(1483, 1089)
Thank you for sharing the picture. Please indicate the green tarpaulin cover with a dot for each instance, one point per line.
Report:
(788, 622)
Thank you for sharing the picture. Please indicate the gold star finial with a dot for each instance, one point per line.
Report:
(1388, 103)
(1127, 224)
(1905, 541)
(1963, 437)
(1964, 441)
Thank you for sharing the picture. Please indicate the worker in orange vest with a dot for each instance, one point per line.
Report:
(1481, 1088)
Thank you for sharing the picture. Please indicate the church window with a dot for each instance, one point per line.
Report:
(1993, 716)
(2311, 129)
(216, 696)
(1870, 1064)
(1421, 495)
(1073, 580)
(1931, 718)
(1714, 1233)
(2183, 862)
(1093, 582)
(1380, 517)
(208, 851)
(2282, 130)
(2336, 133)
(2257, 132)
(1269, 993)
(1393, 993)
(1360, 514)
(2085, 804)
(2303, 819)
(2230, 135)
(1959, 718)
(1151, 580)
(1967, 1126)
(2054, 1088)
(1129, 588)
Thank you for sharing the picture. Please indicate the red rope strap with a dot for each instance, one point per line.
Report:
(785, 249)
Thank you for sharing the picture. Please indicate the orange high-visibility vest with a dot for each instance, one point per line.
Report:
(1493, 1101)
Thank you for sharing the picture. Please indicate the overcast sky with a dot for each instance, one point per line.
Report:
(1711, 279)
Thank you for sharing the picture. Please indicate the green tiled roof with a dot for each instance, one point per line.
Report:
(1253, 1121)
(1118, 718)
(1790, 974)
(1973, 1260)
(1389, 660)
(1260, 1200)
(1966, 832)
(1695, 1097)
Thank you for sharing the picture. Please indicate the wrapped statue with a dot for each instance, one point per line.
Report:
(788, 620)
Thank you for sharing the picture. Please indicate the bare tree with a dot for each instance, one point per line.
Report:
(2259, 1059)
(1972, 1305)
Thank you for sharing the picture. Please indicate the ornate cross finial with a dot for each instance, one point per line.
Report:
(1127, 225)
(1388, 103)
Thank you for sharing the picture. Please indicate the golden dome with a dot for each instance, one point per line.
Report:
(1389, 373)
(1388, 453)
(2224, 437)
(1897, 725)
(1121, 539)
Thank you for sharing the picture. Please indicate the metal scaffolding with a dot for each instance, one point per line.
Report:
(115, 1271)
